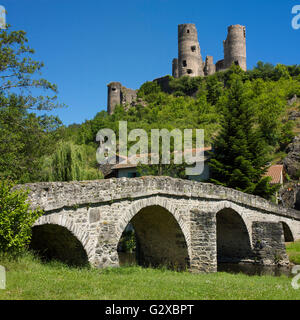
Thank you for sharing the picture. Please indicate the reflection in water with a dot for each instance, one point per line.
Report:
(129, 259)
(255, 270)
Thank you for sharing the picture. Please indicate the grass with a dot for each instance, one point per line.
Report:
(29, 278)
(293, 251)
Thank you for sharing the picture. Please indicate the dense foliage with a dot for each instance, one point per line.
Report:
(40, 148)
(24, 137)
(70, 162)
(16, 219)
(240, 154)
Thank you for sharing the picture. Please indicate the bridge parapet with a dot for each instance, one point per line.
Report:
(52, 196)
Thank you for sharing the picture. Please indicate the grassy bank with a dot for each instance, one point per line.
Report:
(293, 251)
(30, 279)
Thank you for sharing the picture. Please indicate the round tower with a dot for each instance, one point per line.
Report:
(189, 55)
(235, 47)
(114, 96)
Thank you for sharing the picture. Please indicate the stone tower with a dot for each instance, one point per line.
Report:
(119, 95)
(235, 47)
(189, 56)
(114, 96)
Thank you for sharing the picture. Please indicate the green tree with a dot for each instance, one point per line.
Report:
(239, 159)
(24, 137)
(16, 219)
(71, 162)
(168, 170)
(19, 73)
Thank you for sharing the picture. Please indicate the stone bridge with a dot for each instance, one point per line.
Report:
(177, 223)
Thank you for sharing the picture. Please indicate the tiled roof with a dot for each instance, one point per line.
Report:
(128, 164)
(276, 173)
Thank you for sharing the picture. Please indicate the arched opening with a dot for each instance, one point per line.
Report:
(53, 242)
(297, 203)
(233, 242)
(158, 239)
(288, 236)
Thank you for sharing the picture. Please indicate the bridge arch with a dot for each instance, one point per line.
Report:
(65, 235)
(233, 236)
(162, 234)
(287, 232)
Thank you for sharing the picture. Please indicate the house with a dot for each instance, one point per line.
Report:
(276, 172)
(125, 168)
(128, 169)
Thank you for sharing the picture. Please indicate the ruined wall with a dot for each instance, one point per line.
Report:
(220, 65)
(113, 96)
(164, 84)
(189, 55)
(119, 95)
(175, 72)
(209, 67)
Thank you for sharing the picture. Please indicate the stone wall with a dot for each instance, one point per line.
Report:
(119, 95)
(268, 243)
(209, 67)
(182, 218)
(56, 195)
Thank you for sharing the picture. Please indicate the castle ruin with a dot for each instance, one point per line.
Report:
(119, 95)
(189, 62)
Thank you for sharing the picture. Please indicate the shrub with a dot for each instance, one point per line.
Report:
(16, 219)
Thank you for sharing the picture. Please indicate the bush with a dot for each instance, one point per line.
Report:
(16, 219)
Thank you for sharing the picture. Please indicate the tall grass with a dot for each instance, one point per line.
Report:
(293, 251)
(29, 278)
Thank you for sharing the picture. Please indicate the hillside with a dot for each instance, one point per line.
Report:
(188, 103)
(197, 103)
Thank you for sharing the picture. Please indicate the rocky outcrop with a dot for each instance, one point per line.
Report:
(294, 115)
(290, 195)
(292, 161)
(292, 100)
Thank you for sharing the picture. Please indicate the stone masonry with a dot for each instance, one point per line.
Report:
(119, 95)
(179, 222)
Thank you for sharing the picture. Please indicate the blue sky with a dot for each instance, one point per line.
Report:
(87, 44)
